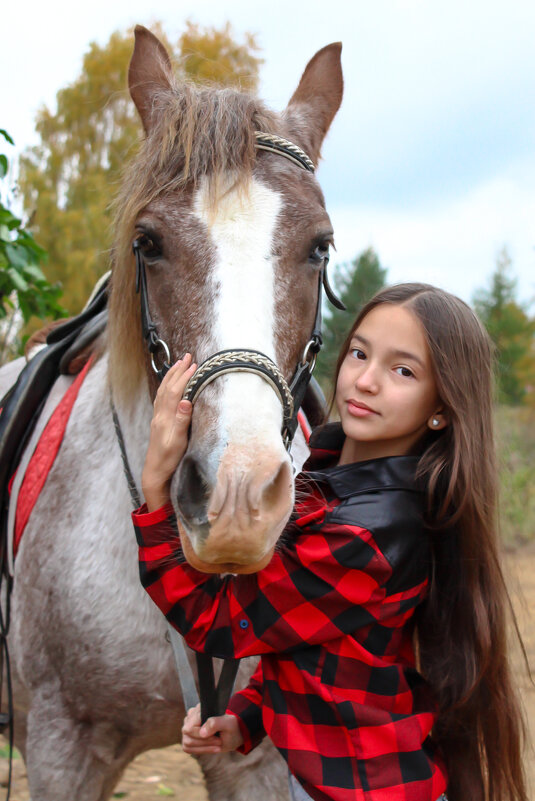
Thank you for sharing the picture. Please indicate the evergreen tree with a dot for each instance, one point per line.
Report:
(69, 179)
(356, 283)
(510, 329)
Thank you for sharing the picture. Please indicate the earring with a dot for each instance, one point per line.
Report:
(435, 421)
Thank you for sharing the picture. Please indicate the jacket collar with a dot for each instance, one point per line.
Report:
(390, 472)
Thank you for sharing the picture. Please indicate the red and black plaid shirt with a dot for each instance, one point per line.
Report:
(332, 618)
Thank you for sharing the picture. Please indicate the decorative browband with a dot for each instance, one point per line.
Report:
(276, 144)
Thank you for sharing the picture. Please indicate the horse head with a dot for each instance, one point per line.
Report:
(232, 239)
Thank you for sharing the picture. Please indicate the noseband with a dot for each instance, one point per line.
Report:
(239, 360)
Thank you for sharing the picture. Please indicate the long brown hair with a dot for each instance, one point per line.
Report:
(462, 627)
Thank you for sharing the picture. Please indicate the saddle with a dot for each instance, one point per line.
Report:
(22, 404)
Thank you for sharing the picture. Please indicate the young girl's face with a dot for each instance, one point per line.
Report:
(385, 393)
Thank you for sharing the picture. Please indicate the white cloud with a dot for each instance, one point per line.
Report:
(453, 245)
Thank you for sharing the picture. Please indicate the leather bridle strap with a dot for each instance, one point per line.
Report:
(283, 147)
(214, 698)
(150, 334)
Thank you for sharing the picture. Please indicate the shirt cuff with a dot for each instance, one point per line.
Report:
(249, 717)
(154, 527)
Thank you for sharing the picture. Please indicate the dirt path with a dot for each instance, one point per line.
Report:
(169, 772)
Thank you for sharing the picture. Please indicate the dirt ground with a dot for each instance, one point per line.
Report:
(171, 773)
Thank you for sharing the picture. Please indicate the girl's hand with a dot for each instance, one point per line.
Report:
(216, 736)
(168, 433)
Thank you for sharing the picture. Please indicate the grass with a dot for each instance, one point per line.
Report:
(4, 752)
(516, 450)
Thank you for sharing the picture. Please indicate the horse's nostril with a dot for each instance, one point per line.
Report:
(193, 492)
(278, 488)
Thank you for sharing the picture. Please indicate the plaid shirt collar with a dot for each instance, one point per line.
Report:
(390, 472)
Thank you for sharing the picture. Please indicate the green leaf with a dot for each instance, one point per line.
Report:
(8, 219)
(18, 281)
(6, 136)
(26, 239)
(120, 795)
(17, 256)
(25, 308)
(3, 165)
(164, 790)
(33, 272)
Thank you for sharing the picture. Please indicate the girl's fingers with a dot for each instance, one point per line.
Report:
(198, 750)
(201, 742)
(178, 384)
(210, 727)
(193, 729)
(193, 718)
(178, 367)
(170, 393)
(192, 741)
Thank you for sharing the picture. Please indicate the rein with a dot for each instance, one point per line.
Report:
(215, 698)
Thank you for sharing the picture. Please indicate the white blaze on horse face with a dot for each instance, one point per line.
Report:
(250, 452)
(241, 229)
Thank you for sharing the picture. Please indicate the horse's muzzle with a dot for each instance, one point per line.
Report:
(234, 525)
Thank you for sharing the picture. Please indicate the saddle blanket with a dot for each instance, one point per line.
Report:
(39, 456)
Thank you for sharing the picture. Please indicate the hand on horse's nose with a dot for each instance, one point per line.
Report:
(168, 433)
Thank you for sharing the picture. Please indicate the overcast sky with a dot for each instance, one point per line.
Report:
(431, 159)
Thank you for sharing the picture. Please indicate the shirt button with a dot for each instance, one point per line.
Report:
(244, 624)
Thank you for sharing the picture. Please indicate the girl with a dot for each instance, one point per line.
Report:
(381, 618)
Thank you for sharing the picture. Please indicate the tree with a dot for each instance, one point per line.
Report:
(510, 329)
(214, 56)
(68, 180)
(24, 290)
(356, 283)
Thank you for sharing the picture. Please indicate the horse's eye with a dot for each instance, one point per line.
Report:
(320, 252)
(148, 244)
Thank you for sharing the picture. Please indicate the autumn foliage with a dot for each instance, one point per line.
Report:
(68, 181)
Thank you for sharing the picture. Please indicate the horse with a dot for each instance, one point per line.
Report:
(231, 238)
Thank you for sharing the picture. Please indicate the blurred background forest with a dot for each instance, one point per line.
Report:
(56, 221)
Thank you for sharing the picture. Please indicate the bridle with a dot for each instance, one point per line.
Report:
(240, 360)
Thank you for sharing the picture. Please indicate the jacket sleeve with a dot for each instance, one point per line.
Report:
(246, 706)
(329, 582)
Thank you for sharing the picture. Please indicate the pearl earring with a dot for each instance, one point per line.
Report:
(435, 421)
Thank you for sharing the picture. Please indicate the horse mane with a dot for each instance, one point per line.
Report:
(196, 133)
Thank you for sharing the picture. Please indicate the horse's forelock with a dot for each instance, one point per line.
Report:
(198, 132)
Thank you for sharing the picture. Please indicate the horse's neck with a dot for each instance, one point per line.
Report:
(134, 418)
(92, 413)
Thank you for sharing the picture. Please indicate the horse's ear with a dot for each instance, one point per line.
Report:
(150, 70)
(317, 98)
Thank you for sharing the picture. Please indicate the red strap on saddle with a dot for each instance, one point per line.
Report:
(305, 427)
(44, 456)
